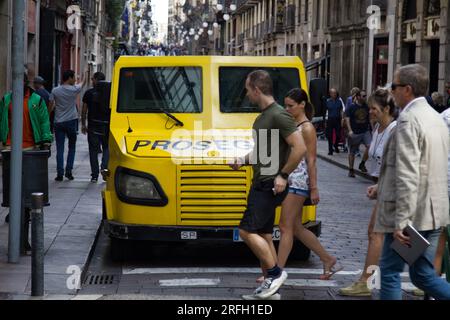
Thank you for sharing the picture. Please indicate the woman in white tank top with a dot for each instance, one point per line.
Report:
(381, 109)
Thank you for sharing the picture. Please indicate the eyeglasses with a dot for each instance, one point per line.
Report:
(396, 85)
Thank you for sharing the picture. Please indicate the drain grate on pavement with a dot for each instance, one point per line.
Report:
(100, 279)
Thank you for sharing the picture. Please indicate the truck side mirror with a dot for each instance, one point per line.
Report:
(317, 95)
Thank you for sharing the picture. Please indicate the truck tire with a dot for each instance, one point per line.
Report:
(299, 251)
(117, 249)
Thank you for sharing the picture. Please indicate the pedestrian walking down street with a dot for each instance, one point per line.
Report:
(357, 122)
(335, 111)
(38, 84)
(382, 110)
(438, 102)
(269, 185)
(302, 186)
(36, 130)
(97, 129)
(412, 188)
(63, 101)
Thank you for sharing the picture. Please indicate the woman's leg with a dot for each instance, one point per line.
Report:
(310, 240)
(374, 248)
(290, 209)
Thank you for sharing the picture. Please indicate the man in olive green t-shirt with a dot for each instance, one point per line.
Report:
(269, 185)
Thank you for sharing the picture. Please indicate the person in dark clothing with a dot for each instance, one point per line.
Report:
(357, 122)
(97, 128)
(335, 110)
(38, 84)
(438, 102)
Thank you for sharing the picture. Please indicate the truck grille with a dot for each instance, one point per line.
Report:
(211, 194)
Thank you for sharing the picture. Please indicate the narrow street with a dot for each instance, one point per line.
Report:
(211, 271)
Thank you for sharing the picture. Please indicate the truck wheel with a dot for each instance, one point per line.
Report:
(117, 247)
(299, 251)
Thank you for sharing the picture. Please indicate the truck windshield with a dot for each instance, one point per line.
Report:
(152, 90)
(233, 98)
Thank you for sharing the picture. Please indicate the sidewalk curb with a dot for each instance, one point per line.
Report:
(343, 166)
(90, 256)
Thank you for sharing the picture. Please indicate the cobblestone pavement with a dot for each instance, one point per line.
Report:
(228, 271)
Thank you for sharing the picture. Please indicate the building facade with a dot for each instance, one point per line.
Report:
(278, 28)
(423, 36)
(365, 40)
(50, 48)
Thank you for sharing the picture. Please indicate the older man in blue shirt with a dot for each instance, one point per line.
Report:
(335, 110)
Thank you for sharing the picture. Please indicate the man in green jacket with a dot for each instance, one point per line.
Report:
(36, 121)
(36, 128)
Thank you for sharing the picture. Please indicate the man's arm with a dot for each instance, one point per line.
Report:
(349, 127)
(298, 151)
(347, 122)
(83, 118)
(51, 106)
(407, 167)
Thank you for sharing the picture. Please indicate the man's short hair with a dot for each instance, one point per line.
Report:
(67, 75)
(39, 80)
(261, 79)
(416, 76)
(99, 76)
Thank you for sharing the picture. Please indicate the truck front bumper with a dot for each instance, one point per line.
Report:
(181, 233)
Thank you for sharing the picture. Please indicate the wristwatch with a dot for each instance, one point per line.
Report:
(284, 175)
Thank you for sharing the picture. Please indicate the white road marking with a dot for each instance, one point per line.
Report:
(311, 283)
(87, 297)
(188, 282)
(131, 271)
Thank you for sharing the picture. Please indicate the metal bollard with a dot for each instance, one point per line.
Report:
(37, 245)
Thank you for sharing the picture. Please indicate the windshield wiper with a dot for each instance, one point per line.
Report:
(178, 122)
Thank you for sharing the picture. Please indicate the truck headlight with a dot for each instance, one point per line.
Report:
(137, 187)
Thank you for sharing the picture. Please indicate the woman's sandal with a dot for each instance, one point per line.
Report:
(327, 274)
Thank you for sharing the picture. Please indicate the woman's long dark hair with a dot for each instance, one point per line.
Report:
(300, 95)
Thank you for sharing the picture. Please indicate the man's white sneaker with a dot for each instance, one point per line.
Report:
(270, 286)
(275, 296)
